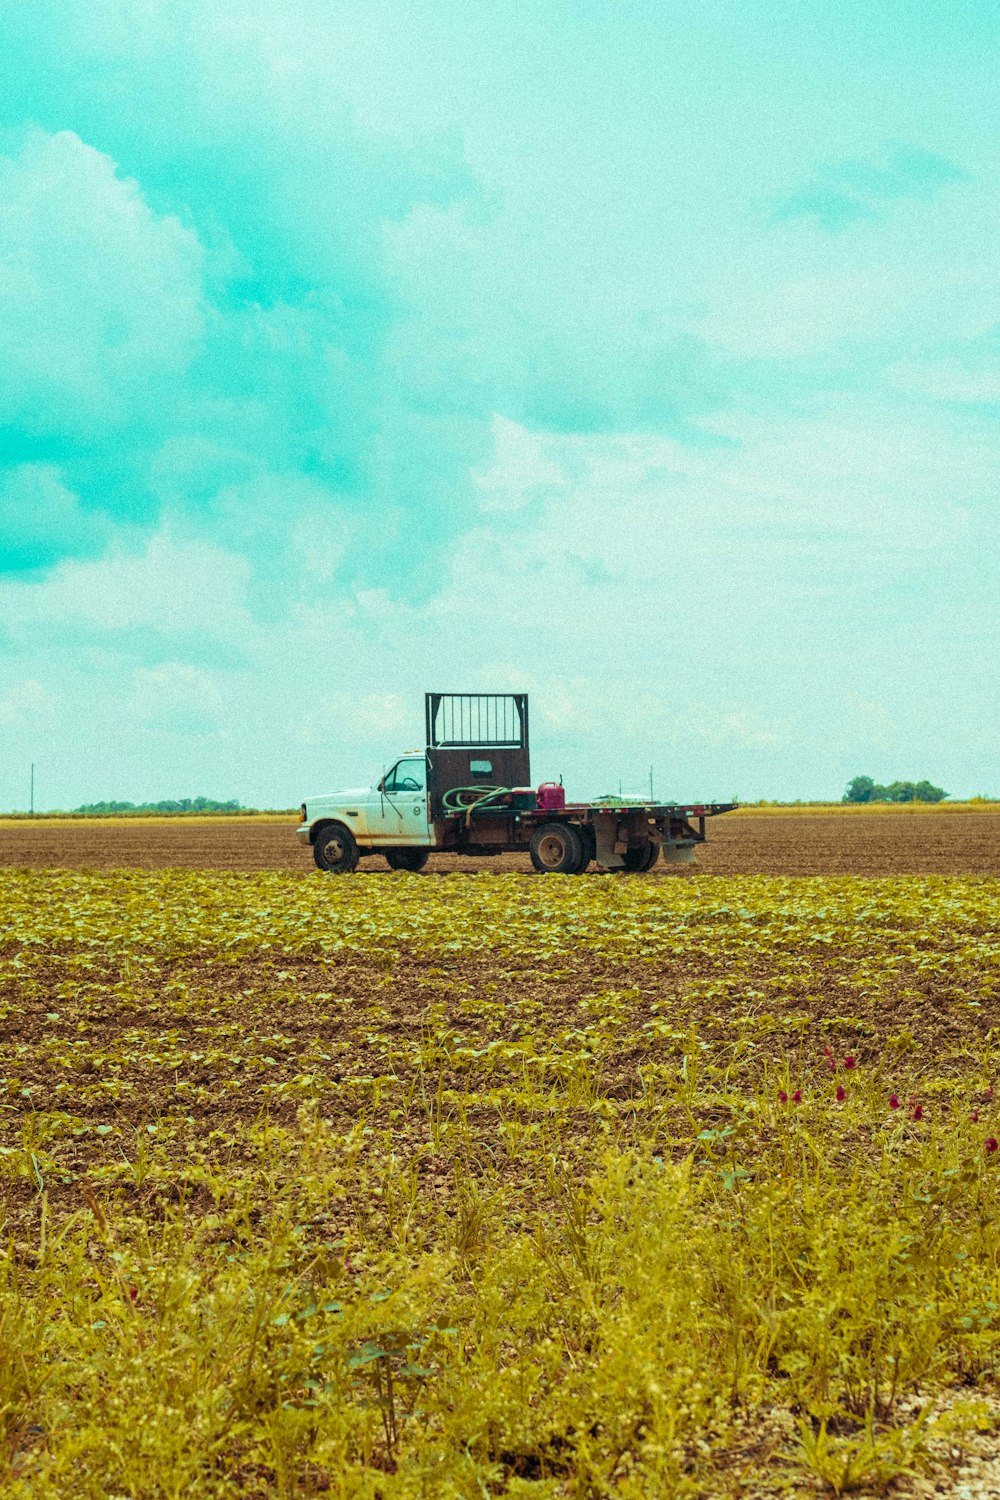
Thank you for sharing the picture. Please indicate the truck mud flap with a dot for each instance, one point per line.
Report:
(608, 852)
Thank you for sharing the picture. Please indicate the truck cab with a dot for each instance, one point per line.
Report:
(392, 814)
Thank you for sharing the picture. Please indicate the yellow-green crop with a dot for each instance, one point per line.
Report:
(491, 1185)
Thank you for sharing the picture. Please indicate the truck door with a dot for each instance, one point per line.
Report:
(397, 807)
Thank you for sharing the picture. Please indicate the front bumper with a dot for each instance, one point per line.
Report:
(304, 833)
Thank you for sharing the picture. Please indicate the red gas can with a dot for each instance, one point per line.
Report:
(550, 797)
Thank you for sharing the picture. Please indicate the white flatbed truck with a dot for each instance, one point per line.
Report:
(468, 792)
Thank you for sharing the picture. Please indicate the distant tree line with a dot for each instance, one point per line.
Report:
(185, 804)
(864, 789)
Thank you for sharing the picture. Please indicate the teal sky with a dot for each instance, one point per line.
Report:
(639, 354)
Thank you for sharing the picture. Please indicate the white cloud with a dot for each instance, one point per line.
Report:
(177, 698)
(40, 516)
(797, 293)
(374, 714)
(168, 586)
(951, 380)
(99, 296)
(755, 313)
(637, 605)
(520, 470)
(27, 705)
(737, 728)
(873, 724)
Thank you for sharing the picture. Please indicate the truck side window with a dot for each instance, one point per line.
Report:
(407, 776)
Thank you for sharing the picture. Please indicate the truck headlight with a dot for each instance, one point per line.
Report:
(302, 813)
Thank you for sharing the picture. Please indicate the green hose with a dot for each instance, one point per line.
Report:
(466, 798)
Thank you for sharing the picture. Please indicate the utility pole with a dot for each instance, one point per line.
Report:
(651, 797)
(32, 807)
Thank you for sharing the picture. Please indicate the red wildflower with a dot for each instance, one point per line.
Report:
(918, 1112)
(841, 1093)
(831, 1061)
(893, 1101)
(850, 1062)
(988, 1092)
(797, 1097)
(133, 1293)
(974, 1116)
(991, 1144)
(782, 1096)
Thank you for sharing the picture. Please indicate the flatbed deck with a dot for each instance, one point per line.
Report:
(618, 835)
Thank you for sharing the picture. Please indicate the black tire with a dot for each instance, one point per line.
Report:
(407, 859)
(557, 849)
(588, 844)
(335, 849)
(641, 857)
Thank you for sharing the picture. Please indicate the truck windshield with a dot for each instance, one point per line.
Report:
(407, 776)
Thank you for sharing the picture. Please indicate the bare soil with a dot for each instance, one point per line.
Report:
(850, 843)
(747, 843)
(190, 1055)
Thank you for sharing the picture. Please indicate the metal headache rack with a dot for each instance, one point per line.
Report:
(476, 740)
(471, 720)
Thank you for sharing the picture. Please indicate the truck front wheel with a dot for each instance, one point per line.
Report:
(335, 849)
(407, 859)
(557, 849)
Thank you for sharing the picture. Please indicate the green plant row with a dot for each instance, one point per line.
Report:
(414, 1186)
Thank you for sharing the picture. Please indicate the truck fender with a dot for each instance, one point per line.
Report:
(322, 823)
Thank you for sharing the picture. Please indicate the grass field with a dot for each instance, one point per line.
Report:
(494, 1184)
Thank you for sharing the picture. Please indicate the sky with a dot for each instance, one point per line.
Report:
(641, 355)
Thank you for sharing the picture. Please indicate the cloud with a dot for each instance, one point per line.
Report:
(847, 192)
(177, 699)
(41, 519)
(28, 704)
(163, 585)
(519, 473)
(873, 724)
(100, 298)
(374, 714)
(968, 375)
(730, 728)
(487, 327)
(171, 367)
(296, 373)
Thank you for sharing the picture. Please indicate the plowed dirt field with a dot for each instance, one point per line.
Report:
(845, 842)
(268, 1142)
(399, 1186)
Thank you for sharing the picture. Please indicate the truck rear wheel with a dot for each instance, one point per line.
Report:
(557, 849)
(588, 845)
(407, 859)
(641, 857)
(335, 849)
